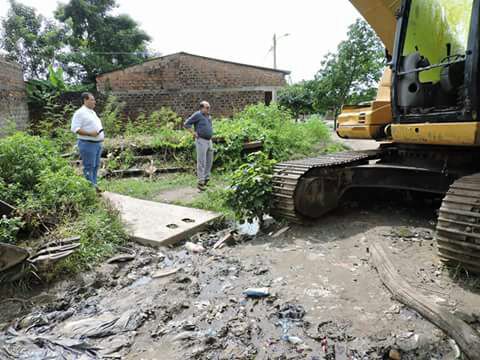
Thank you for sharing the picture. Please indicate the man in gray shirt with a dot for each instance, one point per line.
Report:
(202, 131)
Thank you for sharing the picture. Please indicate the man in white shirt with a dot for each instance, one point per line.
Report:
(89, 130)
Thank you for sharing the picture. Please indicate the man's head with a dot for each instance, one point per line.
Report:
(205, 107)
(88, 100)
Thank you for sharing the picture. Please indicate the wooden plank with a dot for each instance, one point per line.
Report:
(466, 337)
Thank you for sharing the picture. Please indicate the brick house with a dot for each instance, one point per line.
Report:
(13, 95)
(181, 80)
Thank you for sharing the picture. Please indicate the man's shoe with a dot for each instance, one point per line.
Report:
(98, 190)
(201, 186)
(206, 182)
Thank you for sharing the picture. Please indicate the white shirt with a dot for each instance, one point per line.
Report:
(87, 119)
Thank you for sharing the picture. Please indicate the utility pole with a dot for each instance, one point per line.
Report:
(274, 48)
(274, 51)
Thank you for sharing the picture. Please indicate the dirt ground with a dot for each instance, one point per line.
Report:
(325, 300)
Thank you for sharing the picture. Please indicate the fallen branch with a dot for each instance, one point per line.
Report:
(466, 337)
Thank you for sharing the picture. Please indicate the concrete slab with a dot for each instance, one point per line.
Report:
(158, 224)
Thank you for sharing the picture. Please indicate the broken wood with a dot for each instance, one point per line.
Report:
(281, 231)
(165, 272)
(466, 337)
(121, 258)
(220, 243)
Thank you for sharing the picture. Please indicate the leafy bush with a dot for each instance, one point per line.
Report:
(163, 119)
(282, 137)
(39, 183)
(9, 228)
(251, 187)
(110, 116)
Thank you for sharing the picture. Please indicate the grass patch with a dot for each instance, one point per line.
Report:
(100, 231)
(147, 189)
(213, 199)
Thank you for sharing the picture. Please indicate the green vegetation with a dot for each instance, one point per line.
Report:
(146, 189)
(100, 231)
(249, 194)
(48, 194)
(85, 38)
(347, 76)
(251, 188)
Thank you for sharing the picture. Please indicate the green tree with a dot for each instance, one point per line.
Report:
(99, 41)
(351, 74)
(299, 98)
(30, 39)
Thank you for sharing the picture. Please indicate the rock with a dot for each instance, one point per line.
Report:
(394, 355)
(295, 340)
(408, 342)
(194, 248)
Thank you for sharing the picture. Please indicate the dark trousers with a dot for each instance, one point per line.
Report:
(90, 152)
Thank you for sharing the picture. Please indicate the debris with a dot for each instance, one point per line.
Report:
(219, 244)
(292, 312)
(466, 337)
(456, 349)
(165, 272)
(281, 231)
(105, 325)
(43, 347)
(341, 351)
(295, 340)
(394, 355)
(186, 335)
(195, 248)
(257, 292)
(121, 258)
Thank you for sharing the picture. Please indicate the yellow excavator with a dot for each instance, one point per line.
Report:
(426, 115)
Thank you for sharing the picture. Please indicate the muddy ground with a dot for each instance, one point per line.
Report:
(325, 299)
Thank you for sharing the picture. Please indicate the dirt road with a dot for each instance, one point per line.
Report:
(325, 300)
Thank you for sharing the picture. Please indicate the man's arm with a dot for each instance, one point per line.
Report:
(77, 127)
(189, 124)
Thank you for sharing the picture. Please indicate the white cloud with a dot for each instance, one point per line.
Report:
(239, 31)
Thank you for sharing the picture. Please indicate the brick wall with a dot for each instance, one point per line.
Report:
(181, 81)
(13, 97)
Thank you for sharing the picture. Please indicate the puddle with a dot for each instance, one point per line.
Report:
(144, 280)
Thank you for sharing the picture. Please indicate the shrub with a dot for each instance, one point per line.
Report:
(282, 137)
(22, 160)
(9, 228)
(163, 119)
(39, 183)
(110, 116)
(251, 187)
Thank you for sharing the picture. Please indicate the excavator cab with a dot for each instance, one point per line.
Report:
(434, 62)
(435, 72)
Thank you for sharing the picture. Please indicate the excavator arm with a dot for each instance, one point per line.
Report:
(380, 14)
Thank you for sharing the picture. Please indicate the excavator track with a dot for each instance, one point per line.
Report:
(458, 227)
(288, 177)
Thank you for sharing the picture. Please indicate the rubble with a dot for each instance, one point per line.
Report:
(250, 299)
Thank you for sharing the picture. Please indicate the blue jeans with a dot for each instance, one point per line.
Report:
(90, 152)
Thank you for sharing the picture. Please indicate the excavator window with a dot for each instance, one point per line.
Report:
(431, 72)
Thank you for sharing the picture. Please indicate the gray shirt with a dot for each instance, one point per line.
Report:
(202, 125)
